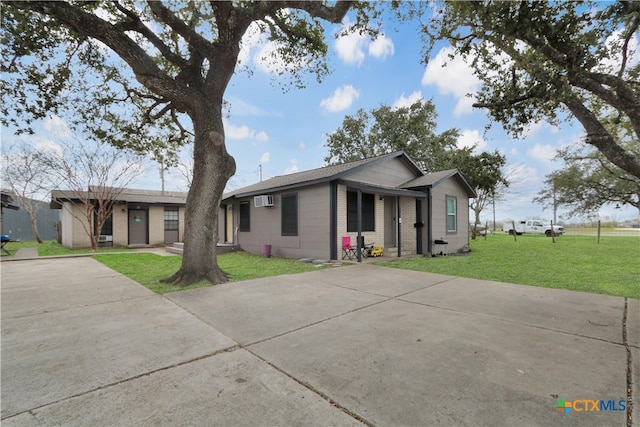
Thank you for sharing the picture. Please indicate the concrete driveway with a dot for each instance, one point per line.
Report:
(83, 345)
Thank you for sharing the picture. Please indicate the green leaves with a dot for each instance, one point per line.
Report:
(539, 60)
(412, 129)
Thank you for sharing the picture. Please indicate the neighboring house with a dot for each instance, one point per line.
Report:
(139, 218)
(17, 223)
(306, 214)
(7, 203)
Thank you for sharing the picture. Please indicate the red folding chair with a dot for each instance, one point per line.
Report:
(348, 251)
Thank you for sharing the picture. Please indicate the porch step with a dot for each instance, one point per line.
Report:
(222, 248)
(176, 248)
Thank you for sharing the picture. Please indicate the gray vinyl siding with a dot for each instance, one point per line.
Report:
(17, 224)
(388, 174)
(460, 238)
(312, 240)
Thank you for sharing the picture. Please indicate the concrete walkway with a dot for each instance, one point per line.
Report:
(83, 345)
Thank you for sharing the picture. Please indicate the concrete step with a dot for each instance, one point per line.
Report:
(222, 248)
(174, 249)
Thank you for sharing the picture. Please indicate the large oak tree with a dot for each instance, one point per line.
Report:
(183, 55)
(538, 60)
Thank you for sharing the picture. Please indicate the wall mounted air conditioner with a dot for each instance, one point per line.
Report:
(260, 201)
(105, 238)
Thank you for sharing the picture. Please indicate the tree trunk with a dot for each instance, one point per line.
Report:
(34, 227)
(212, 168)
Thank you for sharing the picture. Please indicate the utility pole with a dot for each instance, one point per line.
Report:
(555, 207)
(260, 169)
(162, 174)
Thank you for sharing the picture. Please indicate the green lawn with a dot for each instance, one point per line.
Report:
(52, 248)
(577, 263)
(147, 269)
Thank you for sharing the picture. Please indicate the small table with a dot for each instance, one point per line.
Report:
(443, 247)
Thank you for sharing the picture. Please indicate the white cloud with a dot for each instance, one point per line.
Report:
(455, 78)
(341, 99)
(350, 48)
(238, 132)
(256, 48)
(50, 147)
(293, 166)
(468, 138)
(262, 136)
(266, 156)
(522, 176)
(244, 132)
(57, 126)
(381, 47)
(251, 39)
(544, 152)
(407, 101)
(531, 129)
(240, 107)
(612, 63)
(301, 144)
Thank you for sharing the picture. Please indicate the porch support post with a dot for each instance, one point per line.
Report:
(429, 223)
(399, 227)
(359, 209)
(333, 220)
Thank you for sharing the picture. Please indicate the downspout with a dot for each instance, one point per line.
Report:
(399, 227)
(429, 223)
(359, 209)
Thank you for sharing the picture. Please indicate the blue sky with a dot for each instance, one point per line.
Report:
(285, 131)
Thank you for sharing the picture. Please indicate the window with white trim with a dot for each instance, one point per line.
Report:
(452, 214)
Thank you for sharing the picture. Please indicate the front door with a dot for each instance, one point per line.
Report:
(138, 226)
(390, 222)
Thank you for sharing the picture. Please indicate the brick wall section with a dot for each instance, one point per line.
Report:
(376, 236)
(120, 226)
(156, 225)
(73, 226)
(407, 230)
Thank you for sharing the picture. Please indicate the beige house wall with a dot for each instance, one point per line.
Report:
(156, 225)
(181, 217)
(74, 235)
(120, 226)
(74, 226)
(408, 243)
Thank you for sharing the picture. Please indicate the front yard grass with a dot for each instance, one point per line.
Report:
(147, 269)
(53, 248)
(576, 263)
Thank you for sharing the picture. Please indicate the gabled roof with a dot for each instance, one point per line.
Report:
(430, 180)
(316, 176)
(7, 201)
(126, 195)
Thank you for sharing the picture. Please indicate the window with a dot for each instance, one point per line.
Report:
(290, 214)
(170, 218)
(368, 212)
(452, 217)
(245, 216)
